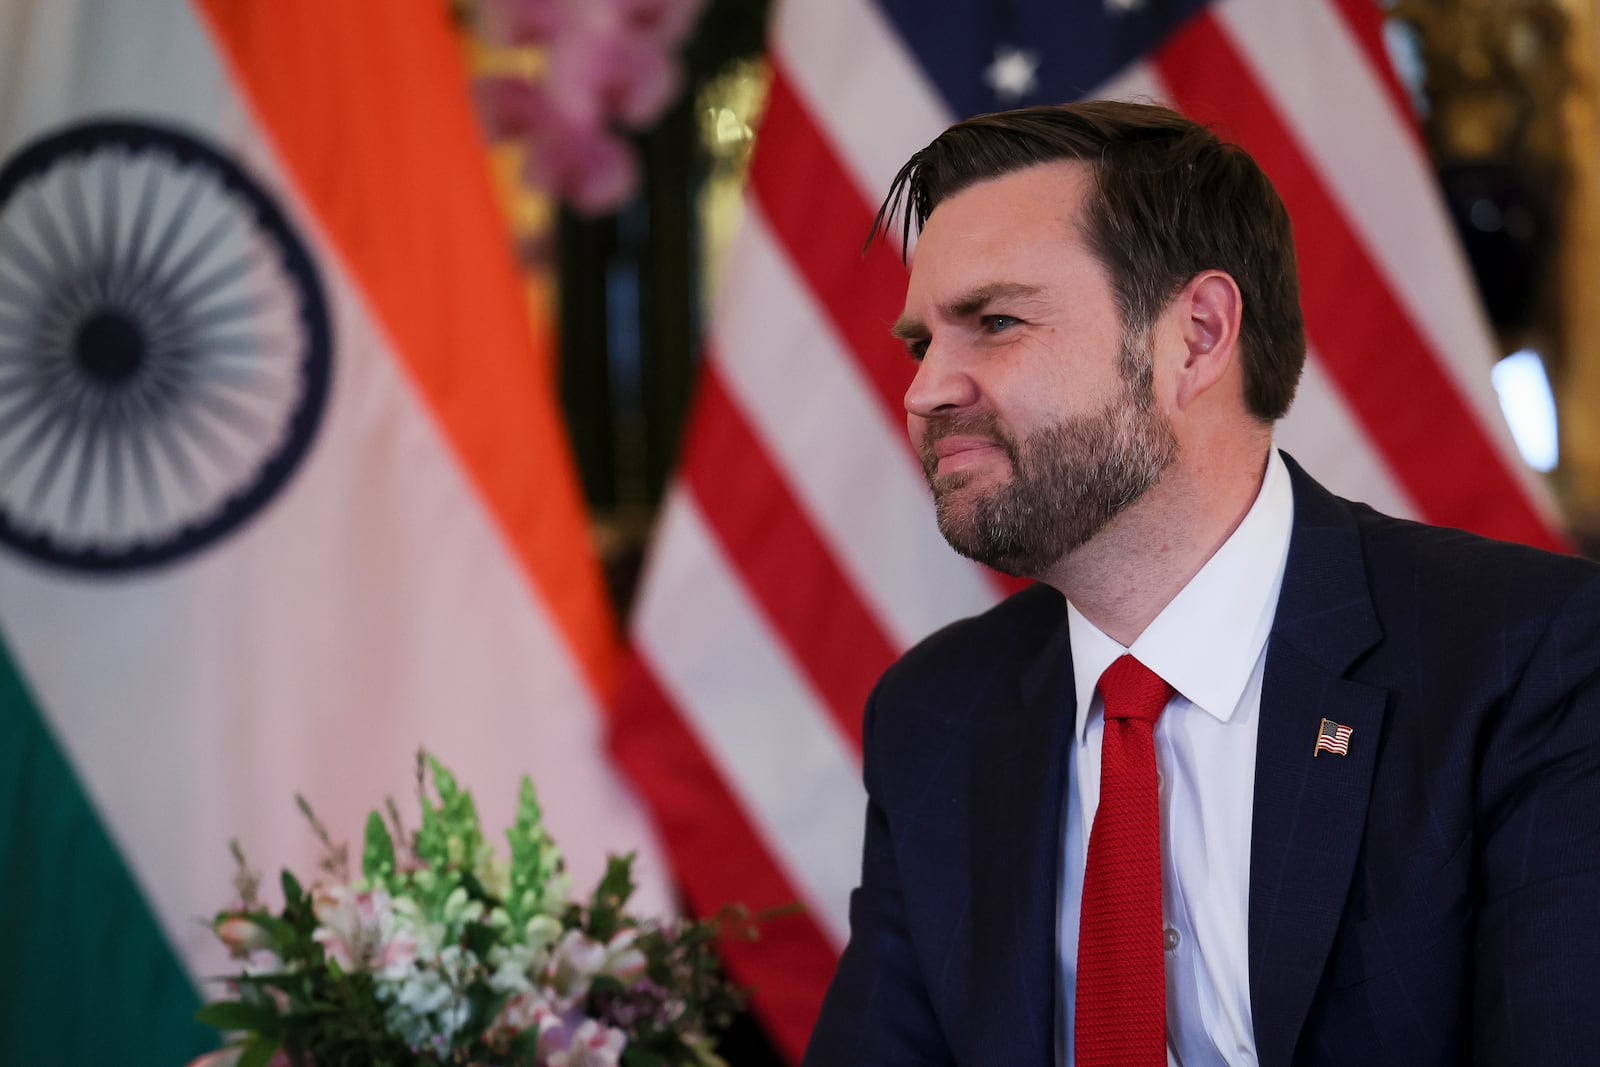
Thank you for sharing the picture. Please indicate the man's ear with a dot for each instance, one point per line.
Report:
(1208, 311)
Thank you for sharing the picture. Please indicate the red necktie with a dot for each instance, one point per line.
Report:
(1121, 1015)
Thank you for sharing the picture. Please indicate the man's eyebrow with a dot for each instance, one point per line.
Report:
(964, 306)
(971, 303)
(968, 304)
(906, 328)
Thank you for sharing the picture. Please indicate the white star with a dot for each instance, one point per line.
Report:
(1122, 7)
(1013, 74)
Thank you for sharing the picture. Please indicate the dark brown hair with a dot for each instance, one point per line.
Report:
(1170, 200)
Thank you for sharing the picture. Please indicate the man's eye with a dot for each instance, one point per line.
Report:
(916, 350)
(999, 323)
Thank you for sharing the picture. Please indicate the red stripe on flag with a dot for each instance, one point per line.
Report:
(1407, 403)
(769, 537)
(721, 859)
(818, 215)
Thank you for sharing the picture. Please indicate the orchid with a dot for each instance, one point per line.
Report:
(610, 66)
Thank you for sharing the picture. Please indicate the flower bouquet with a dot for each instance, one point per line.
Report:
(444, 953)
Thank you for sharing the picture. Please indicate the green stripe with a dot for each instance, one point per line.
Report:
(86, 976)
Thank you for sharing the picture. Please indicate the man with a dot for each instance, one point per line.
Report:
(1254, 774)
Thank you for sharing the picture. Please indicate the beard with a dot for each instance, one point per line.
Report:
(1068, 479)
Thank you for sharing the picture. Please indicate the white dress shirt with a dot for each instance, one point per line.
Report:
(1209, 643)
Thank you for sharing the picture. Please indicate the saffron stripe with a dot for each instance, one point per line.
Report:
(323, 79)
(1376, 356)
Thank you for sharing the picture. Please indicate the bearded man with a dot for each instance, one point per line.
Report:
(1253, 774)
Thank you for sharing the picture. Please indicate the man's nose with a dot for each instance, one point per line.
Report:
(941, 386)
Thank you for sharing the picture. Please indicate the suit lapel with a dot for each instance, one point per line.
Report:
(1310, 809)
(1018, 793)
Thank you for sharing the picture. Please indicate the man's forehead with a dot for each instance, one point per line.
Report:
(1053, 190)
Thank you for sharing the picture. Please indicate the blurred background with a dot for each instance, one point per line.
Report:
(509, 378)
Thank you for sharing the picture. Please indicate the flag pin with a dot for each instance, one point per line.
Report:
(1332, 737)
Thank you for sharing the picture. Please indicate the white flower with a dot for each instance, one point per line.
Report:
(359, 930)
(592, 1045)
(427, 1005)
(579, 958)
(517, 966)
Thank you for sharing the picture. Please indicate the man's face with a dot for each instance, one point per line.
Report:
(1032, 411)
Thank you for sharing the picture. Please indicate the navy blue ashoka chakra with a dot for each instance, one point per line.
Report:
(164, 347)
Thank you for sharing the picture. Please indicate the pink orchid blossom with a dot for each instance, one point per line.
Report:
(609, 64)
(666, 21)
(593, 1045)
(609, 72)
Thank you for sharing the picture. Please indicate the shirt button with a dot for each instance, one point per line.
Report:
(1170, 939)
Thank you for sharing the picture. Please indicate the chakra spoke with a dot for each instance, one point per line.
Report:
(19, 252)
(217, 280)
(55, 246)
(47, 474)
(77, 216)
(169, 235)
(133, 268)
(86, 461)
(203, 246)
(110, 215)
(241, 310)
(144, 466)
(228, 412)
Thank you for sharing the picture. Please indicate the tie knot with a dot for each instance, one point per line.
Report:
(1133, 691)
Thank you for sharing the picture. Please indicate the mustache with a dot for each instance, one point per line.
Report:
(985, 425)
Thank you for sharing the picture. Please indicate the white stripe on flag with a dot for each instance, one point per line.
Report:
(749, 706)
(861, 86)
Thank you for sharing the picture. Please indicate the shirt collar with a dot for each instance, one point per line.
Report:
(1207, 639)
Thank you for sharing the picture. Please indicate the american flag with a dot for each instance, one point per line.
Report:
(1333, 738)
(796, 554)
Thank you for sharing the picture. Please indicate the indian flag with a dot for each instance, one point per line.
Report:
(284, 492)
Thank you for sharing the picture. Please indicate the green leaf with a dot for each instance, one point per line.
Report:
(377, 858)
(259, 1052)
(293, 895)
(637, 1056)
(610, 896)
(236, 1015)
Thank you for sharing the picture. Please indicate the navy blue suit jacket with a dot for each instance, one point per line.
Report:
(1431, 898)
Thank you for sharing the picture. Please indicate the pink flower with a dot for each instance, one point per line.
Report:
(584, 164)
(608, 71)
(667, 21)
(592, 1045)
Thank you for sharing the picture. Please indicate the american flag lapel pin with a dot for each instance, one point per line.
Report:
(1332, 737)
